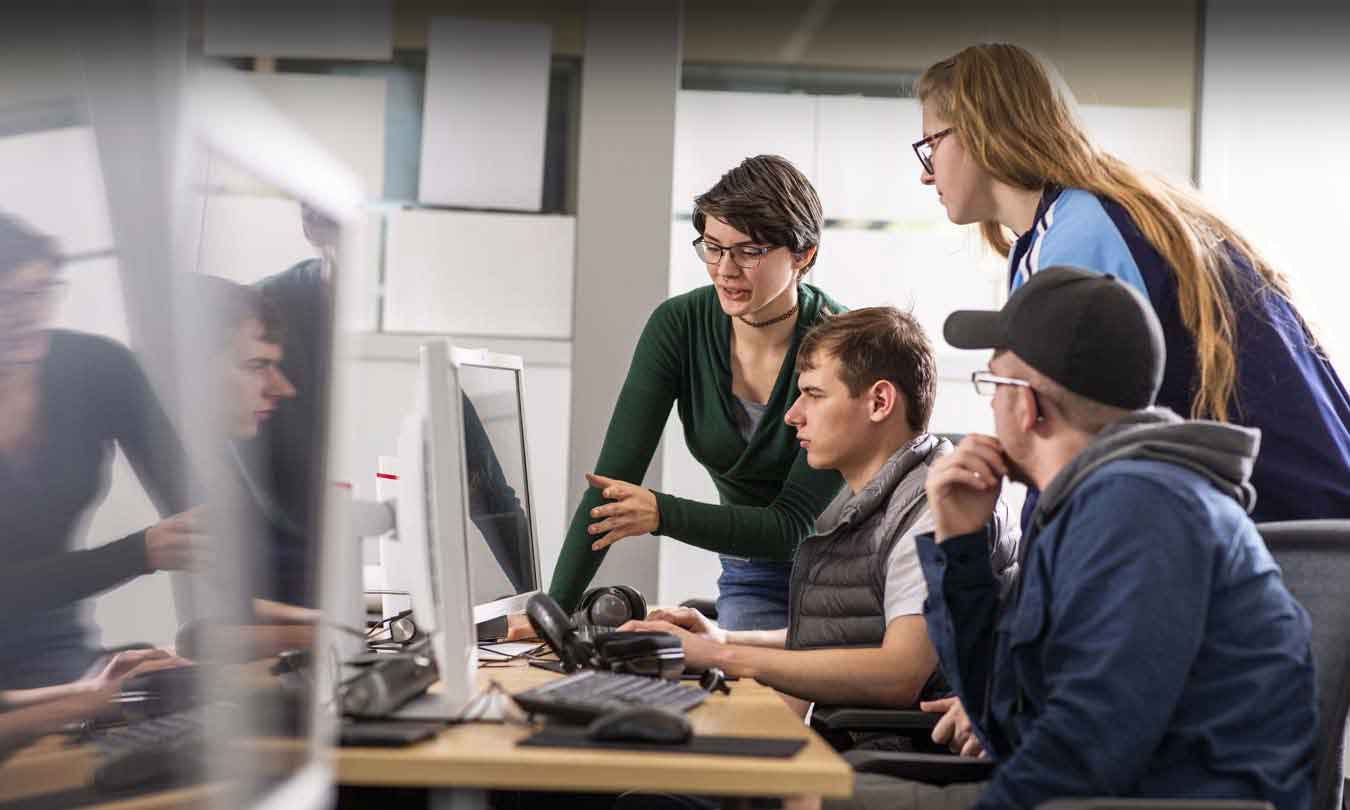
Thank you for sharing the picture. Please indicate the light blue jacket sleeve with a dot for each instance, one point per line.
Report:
(1079, 233)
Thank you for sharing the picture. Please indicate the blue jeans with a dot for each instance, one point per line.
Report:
(752, 594)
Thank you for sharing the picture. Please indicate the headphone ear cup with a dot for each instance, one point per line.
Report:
(581, 617)
(637, 606)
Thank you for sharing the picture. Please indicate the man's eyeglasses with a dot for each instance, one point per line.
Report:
(924, 148)
(987, 382)
(746, 257)
(986, 385)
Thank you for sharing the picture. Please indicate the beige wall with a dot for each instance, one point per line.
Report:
(1143, 55)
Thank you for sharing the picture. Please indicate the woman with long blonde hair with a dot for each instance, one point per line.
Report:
(1003, 148)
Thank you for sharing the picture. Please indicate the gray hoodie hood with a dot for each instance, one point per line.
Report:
(1222, 453)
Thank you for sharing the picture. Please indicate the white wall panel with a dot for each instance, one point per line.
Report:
(1157, 139)
(52, 181)
(686, 571)
(1275, 145)
(485, 114)
(931, 268)
(714, 131)
(867, 169)
(687, 270)
(335, 29)
(480, 274)
(345, 114)
(247, 238)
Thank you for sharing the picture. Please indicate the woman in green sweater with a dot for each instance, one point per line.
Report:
(724, 356)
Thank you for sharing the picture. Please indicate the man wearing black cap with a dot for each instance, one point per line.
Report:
(1150, 648)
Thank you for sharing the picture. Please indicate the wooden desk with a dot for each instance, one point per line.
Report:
(466, 759)
(479, 755)
(52, 765)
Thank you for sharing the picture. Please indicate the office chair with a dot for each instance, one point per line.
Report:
(708, 607)
(1314, 556)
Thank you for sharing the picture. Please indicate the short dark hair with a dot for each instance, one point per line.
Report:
(767, 198)
(20, 245)
(878, 343)
(224, 306)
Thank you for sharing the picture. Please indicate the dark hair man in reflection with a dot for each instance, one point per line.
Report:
(289, 444)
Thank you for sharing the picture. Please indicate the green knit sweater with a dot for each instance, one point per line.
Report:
(769, 496)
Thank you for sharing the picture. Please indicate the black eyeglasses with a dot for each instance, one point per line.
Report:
(925, 146)
(746, 257)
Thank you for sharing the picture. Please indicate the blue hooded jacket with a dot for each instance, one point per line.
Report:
(1150, 648)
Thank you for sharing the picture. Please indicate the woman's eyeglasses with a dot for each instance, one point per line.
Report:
(746, 257)
(924, 148)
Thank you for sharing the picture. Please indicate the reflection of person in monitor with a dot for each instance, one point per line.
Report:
(282, 459)
(68, 401)
(240, 333)
(494, 507)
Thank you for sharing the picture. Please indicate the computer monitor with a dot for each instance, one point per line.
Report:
(501, 539)
(431, 509)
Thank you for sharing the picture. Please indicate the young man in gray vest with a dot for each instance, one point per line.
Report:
(856, 631)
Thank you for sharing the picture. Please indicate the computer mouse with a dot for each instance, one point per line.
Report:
(643, 724)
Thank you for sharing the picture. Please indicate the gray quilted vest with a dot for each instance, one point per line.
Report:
(837, 592)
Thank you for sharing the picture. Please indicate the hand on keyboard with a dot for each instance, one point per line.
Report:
(127, 664)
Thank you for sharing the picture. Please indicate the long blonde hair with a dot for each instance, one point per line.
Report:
(1015, 117)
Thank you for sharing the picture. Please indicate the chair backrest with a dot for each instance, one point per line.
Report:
(1315, 558)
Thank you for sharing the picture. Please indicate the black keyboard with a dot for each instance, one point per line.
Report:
(583, 696)
(164, 750)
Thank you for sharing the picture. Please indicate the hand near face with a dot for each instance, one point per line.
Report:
(699, 652)
(632, 511)
(963, 486)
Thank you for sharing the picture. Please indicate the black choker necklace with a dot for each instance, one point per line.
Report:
(769, 322)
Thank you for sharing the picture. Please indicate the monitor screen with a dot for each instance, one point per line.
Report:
(498, 529)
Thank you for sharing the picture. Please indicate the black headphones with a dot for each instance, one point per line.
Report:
(654, 654)
(609, 606)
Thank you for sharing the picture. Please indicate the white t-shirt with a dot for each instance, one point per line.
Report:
(905, 586)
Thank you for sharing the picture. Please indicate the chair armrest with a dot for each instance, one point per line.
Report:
(854, 718)
(933, 769)
(1156, 804)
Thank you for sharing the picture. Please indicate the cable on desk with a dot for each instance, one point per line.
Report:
(503, 657)
(492, 704)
